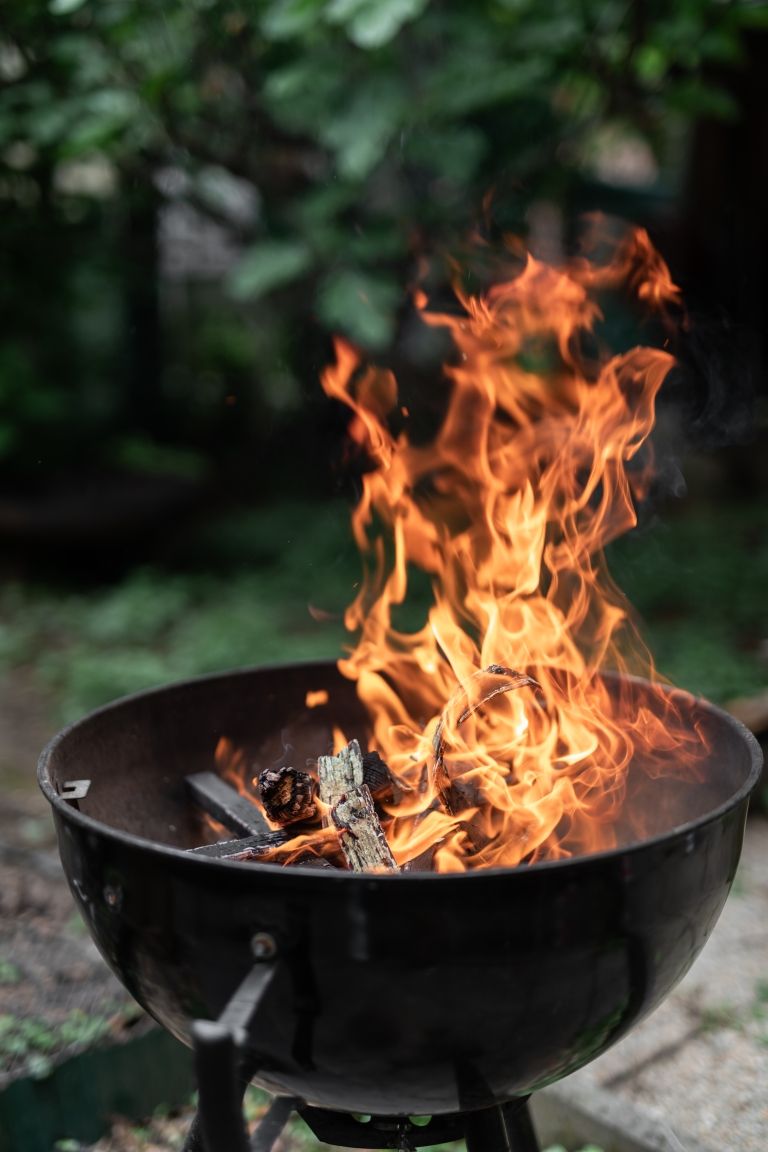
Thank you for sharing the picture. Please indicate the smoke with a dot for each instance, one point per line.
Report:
(707, 405)
(713, 387)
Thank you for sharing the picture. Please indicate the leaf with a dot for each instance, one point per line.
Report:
(359, 135)
(373, 23)
(65, 7)
(697, 98)
(460, 88)
(267, 266)
(285, 19)
(651, 63)
(360, 305)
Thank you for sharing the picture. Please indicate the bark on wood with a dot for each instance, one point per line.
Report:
(360, 833)
(341, 773)
(288, 795)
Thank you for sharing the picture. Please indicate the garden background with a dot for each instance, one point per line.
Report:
(194, 198)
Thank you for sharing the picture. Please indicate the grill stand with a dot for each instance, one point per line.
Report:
(222, 1077)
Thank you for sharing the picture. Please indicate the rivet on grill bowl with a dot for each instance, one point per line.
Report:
(113, 896)
(263, 946)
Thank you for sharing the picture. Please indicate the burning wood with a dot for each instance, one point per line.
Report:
(360, 833)
(288, 795)
(447, 789)
(352, 812)
(340, 773)
(536, 466)
(377, 776)
(246, 848)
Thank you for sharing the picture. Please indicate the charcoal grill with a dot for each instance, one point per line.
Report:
(450, 996)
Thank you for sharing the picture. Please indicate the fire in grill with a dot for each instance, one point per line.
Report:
(502, 854)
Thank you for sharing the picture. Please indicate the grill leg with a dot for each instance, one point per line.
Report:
(219, 1125)
(507, 1128)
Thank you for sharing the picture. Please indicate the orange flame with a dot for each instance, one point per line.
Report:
(538, 463)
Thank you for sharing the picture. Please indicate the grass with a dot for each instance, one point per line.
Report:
(698, 584)
(271, 585)
(32, 1042)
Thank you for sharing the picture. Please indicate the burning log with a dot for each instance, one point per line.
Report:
(288, 795)
(353, 815)
(246, 848)
(350, 769)
(377, 776)
(339, 774)
(360, 833)
(513, 680)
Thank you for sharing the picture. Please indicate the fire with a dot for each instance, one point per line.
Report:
(505, 741)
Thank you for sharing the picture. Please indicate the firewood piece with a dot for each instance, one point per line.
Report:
(425, 860)
(225, 804)
(320, 862)
(377, 776)
(341, 773)
(360, 834)
(512, 680)
(287, 794)
(252, 846)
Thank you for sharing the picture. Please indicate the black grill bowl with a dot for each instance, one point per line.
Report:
(394, 994)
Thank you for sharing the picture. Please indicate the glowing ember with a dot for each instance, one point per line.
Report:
(534, 470)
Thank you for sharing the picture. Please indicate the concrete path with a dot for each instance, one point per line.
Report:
(694, 1076)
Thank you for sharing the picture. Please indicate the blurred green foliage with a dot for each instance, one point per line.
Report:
(356, 137)
(272, 586)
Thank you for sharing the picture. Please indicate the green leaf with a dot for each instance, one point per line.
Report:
(651, 63)
(373, 23)
(285, 19)
(697, 98)
(360, 305)
(360, 134)
(267, 266)
(65, 7)
(459, 88)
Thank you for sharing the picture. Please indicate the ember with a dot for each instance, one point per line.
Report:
(541, 456)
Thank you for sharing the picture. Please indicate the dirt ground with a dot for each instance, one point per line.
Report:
(56, 993)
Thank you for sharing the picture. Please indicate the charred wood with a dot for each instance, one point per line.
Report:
(253, 846)
(225, 804)
(377, 776)
(510, 681)
(288, 795)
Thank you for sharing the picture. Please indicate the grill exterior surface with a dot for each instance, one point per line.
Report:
(401, 994)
